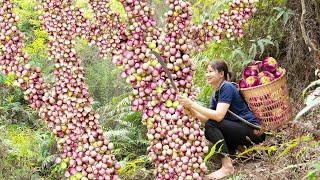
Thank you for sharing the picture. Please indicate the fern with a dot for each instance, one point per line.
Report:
(124, 128)
(269, 149)
(292, 144)
(132, 167)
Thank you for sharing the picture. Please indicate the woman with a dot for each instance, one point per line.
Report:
(221, 125)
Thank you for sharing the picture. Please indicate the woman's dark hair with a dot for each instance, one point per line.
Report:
(220, 66)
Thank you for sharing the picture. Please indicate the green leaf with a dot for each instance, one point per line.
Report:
(1, 79)
(253, 51)
(117, 7)
(213, 150)
(196, 14)
(287, 16)
(267, 41)
(9, 79)
(238, 52)
(279, 15)
(278, 8)
(261, 46)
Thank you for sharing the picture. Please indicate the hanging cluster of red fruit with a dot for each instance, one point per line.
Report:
(176, 142)
(85, 152)
(171, 144)
(261, 73)
(105, 30)
(14, 62)
(179, 154)
(228, 24)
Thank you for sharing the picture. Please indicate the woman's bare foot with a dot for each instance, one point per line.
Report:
(221, 173)
(226, 169)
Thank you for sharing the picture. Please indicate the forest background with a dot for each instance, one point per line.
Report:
(288, 30)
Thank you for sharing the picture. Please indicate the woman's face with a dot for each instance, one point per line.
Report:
(213, 76)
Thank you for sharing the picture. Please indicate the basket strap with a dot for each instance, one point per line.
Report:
(244, 121)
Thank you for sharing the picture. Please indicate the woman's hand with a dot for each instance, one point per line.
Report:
(185, 102)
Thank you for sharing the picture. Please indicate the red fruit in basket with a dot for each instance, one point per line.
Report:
(278, 72)
(269, 64)
(266, 77)
(243, 84)
(251, 70)
(266, 73)
(265, 80)
(252, 81)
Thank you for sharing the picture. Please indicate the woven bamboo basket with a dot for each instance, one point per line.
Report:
(270, 103)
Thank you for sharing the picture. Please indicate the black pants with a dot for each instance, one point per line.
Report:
(233, 134)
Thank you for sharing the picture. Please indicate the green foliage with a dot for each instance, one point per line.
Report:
(314, 174)
(114, 5)
(214, 150)
(9, 168)
(283, 13)
(200, 79)
(211, 9)
(34, 37)
(258, 46)
(278, 150)
(137, 167)
(124, 128)
(117, 7)
(102, 77)
(292, 144)
(269, 149)
(27, 14)
(58, 169)
(159, 7)
(13, 108)
(37, 51)
(25, 145)
(24, 150)
(83, 4)
(9, 79)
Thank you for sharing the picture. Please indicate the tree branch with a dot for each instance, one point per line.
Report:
(302, 22)
(312, 44)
